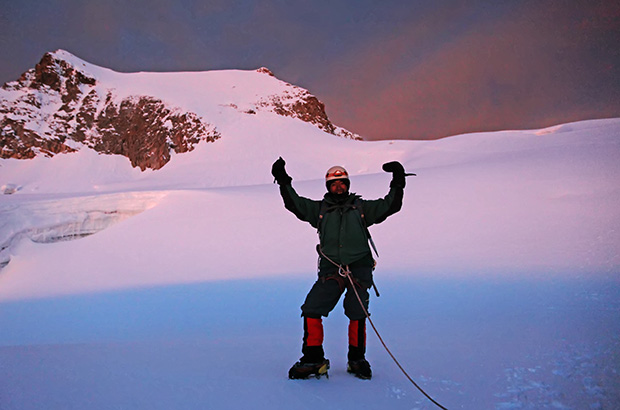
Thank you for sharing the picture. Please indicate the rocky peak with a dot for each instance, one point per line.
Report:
(57, 108)
(62, 105)
(265, 70)
(58, 74)
(299, 103)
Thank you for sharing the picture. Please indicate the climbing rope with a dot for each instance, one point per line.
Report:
(346, 273)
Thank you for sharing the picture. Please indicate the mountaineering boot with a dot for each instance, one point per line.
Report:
(360, 369)
(313, 362)
(358, 365)
(303, 370)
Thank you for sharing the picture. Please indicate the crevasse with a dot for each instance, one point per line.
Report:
(48, 221)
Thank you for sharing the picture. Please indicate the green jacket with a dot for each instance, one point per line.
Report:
(343, 236)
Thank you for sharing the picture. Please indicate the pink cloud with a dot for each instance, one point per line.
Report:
(528, 70)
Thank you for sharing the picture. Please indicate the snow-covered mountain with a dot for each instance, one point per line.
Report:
(65, 104)
(178, 286)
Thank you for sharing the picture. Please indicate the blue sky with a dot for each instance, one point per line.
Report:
(388, 69)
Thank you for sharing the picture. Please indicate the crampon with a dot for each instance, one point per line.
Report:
(360, 369)
(302, 370)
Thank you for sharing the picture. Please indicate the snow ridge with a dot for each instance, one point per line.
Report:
(65, 104)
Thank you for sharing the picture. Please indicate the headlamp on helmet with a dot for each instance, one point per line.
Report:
(337, 173)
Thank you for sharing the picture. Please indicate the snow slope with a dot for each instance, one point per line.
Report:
(499, 277)
(534, 202)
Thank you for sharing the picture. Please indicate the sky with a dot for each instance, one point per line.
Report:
(417, 69)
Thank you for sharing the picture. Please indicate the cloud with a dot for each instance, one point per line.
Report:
(418, 69)
(531, 67)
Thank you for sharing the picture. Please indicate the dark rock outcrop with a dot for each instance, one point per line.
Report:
(56, 108)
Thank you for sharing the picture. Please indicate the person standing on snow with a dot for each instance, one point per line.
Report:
(341, 219)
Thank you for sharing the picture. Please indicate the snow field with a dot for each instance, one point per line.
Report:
(470, 343)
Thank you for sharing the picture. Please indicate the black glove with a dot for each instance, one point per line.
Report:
(279, 173)
(398, 173)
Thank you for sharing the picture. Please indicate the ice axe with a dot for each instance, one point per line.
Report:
(396, 167)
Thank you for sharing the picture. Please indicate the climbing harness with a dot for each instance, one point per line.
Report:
(345, 272)
(320, 252)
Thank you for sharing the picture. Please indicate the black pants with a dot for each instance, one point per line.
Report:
(326, 292)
